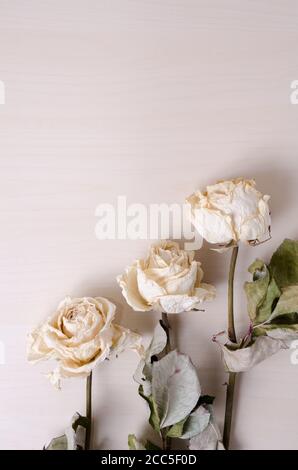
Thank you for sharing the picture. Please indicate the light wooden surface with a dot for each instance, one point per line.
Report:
(149, 99)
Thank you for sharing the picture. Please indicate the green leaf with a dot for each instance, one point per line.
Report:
(265, 329)
(257, 269)
(134, 444)
(58, 443)
(196, 423)
(151, 446)
(177, 429)
(154, 418)
(74, 437)
(257, 289)
(273, 309)
(158, 342)
(143, 374)
(192, 425)
(76, 433)
(262, 293)
(288, 302)
(272, 294)
(209, 438)
(284, 264)
(175, 388)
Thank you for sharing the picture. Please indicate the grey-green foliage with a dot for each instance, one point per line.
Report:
(284, 264)
(272, 295)
(74, 437)
(134, 444)
(169, 383)
(272, 298)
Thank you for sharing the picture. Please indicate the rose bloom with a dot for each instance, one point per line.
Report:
(80, 334)
(168, 280)
(231, 211)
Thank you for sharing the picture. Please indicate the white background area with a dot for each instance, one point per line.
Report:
(151, 99)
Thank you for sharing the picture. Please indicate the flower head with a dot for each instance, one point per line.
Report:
(80, 334)
(231, 211)
(168, 280)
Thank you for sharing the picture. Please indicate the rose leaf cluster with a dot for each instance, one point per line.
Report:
(272, 298)
(170, 385)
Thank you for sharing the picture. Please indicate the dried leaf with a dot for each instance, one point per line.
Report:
(284, 264)
(287, 303)
(196, 423)
(74, 437)
(134, 444)
(241, 360)
(154, 418)
(209, 438)
(143, 374)
(175, 387)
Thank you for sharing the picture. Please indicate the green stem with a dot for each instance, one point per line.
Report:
(88, 409)
(231, 324)
(167, 327)
(166, 441)
(229, 409)
(233, 339)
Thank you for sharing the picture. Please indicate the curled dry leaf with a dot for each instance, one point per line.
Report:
(241, 360)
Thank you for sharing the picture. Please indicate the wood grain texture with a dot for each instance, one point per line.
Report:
(150, 99)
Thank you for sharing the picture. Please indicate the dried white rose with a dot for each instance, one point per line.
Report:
(231, 211)
(168, 280)
(80, 334)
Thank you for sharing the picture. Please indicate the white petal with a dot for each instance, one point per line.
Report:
(183, 282)
(205, 292)
(124, 339)
(148, 288)
(231, 210)
(130, 290)
(37, 349)
(213, 226)
(176, 303)
(107, 308)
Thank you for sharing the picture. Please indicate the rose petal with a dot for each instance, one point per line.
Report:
(148, 288)
(213, 226)
(130, 290)
(176, 303)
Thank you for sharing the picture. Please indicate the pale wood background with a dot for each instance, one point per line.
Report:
(150, 99)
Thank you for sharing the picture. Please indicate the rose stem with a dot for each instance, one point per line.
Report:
(166, 441)
(88, 409)
(233, 339)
